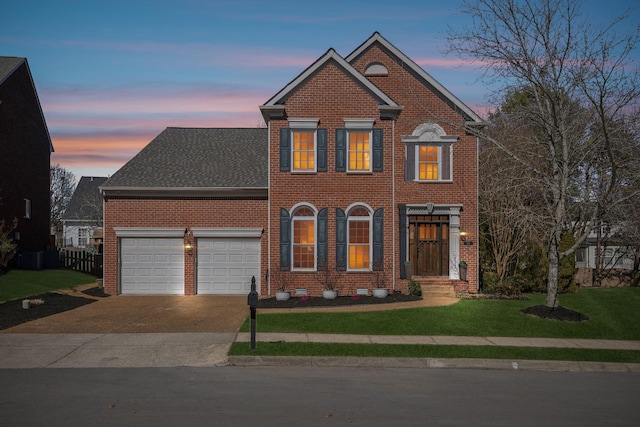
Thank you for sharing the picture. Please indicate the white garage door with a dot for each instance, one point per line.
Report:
(152, 266)
(226, 265)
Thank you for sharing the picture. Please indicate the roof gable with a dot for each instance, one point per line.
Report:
(274, 107)
(86, 201)
(444, 93)
(11, 64)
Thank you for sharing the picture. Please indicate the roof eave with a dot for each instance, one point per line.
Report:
(183, 191)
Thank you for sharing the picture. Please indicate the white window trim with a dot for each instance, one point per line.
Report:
(315, 235)
(417, 163)
(362, 124)
(359, 218)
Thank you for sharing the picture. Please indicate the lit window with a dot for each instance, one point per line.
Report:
(359, 238)
(359, 151)
(304, 239)
(428, 163)
(304, 150)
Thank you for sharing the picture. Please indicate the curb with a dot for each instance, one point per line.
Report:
(430, 363)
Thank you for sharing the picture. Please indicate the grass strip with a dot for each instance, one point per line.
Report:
(23, 283)
(433, 351)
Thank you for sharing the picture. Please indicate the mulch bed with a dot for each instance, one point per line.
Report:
(12, 313)
(555, 313)
(300, 302)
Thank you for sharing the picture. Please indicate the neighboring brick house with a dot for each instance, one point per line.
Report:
(369, 166)
(25, 153)
(83, 214)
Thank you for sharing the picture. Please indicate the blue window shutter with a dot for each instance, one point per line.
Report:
(377, 150)
(410, 164)
(321, 136)
(341, 240)
(341, 150)
(378, 240)
(285, 240)
(322, 233)
(402, 215)
(285, 149)
(445, 152)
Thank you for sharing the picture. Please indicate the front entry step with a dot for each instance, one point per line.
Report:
(429, 290)
(436, 286)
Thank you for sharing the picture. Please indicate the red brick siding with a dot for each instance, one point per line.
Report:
(331, 96)
(184, 213)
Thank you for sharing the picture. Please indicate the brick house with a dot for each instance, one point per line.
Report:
(25, 159)
(365, 165)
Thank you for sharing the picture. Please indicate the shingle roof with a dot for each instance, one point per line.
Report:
(181, 158)
(8, 64)
(86, 202)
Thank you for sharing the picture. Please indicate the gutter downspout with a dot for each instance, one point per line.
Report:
(268, 208)
(393, 203)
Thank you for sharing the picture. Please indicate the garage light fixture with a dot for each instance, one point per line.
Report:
(188, 245)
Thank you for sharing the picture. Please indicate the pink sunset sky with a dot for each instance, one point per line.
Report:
(111, 76)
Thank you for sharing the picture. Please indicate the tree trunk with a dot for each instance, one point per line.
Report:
(552, 278)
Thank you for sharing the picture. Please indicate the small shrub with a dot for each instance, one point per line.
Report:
(414, 288)
(8, 248)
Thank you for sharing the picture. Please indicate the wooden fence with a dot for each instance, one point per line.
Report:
(81, 260)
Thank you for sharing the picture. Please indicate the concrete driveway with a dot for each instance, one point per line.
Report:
(128, 331)
(145, 314)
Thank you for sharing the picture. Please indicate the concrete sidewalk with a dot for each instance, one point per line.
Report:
(443, 340)
(395, 362)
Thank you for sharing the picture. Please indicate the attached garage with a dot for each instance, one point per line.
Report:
(151, 261)
(227, 259)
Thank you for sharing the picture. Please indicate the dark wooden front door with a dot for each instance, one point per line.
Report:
(429, 245)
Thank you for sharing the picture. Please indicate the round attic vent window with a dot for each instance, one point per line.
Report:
(376, 69)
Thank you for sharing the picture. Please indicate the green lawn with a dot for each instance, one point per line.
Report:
(23, 283)
(614, 314)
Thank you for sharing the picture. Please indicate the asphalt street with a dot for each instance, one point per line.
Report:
(315, 396)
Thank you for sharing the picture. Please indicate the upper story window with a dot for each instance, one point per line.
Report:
(359, 151)
(303, 223)
(27, 208)
(303, 147)
(433, 162)
(304, 150)
(359, 147)
(429, 154)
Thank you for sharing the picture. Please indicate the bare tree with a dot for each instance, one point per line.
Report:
(580, 87)
(505, 202)
(62, 184)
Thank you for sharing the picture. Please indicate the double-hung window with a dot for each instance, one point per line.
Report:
(304, 150)
(303, 147)
(303, 223)
(359, 151)
(359, 238)
(429, 163)
(429, 154)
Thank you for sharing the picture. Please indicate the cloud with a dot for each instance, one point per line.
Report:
(104, 127)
